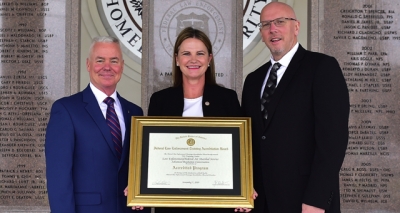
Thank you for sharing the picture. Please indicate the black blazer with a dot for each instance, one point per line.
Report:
(217, 102)
(297, 155)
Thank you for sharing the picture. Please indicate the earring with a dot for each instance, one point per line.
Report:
(177, 64)
(208, 64)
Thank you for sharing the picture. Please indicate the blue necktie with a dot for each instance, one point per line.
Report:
(113, 123)
(269, 89)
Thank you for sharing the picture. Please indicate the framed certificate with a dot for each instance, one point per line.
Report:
(190, 162)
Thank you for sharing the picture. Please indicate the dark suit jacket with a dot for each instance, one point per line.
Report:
(222, 102)
(83, 171)
(297, 155)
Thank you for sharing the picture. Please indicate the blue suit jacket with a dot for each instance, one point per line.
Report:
(83, 171)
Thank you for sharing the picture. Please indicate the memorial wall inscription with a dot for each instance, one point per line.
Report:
(32, 75)
(365, 38)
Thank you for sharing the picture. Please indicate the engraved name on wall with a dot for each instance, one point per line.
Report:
(32, 56)
(365, 38)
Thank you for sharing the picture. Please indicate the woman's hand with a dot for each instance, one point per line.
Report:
(133, 207)
(242, 209)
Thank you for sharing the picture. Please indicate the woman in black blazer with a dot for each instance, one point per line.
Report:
(195, 92)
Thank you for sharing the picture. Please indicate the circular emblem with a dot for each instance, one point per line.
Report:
(190, 142)
(123, 19)
(202, 16)
(251, 18)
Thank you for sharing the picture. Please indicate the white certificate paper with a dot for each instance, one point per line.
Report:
(190, 161)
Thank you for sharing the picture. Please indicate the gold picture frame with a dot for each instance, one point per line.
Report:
(190, 162)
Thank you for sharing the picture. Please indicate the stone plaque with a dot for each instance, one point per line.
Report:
(35, 70)
(365, 38)
(220, 20)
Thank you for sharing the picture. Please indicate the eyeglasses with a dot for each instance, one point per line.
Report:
(279, 22)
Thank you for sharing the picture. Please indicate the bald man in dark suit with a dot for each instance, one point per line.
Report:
(300, 112)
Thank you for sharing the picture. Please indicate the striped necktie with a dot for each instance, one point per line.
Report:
(113, 123)
(269, 89)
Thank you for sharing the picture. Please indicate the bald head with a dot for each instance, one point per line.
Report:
(278, 8)
(282, 28)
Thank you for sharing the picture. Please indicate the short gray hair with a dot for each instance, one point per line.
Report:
(102, 39)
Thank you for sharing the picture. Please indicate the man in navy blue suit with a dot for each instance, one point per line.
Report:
(85, 171)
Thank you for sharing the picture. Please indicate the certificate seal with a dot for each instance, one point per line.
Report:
(190, 142)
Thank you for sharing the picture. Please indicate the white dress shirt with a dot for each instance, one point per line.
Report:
(100, 96)
(193, 107)
(285, 60)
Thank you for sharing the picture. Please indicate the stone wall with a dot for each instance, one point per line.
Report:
(365, 38)
(39, 58)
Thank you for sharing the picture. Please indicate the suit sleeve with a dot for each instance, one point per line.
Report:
(59, 150)
(331, 114)
(243, 100)
(246, 101)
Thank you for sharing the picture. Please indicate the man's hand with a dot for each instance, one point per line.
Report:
(311, 209)
(239, 209)
(255, 194)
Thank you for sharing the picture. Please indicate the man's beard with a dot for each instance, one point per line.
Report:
(277, 51)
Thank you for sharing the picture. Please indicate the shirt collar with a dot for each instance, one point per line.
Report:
(100, 96)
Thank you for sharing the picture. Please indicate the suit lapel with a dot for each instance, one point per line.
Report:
(284, 82)
(260, 80)
(209, 98)
(179, 100)
(127, 118)
(175, 104)
(94, 111)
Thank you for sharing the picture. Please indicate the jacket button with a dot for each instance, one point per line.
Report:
(263, 137)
